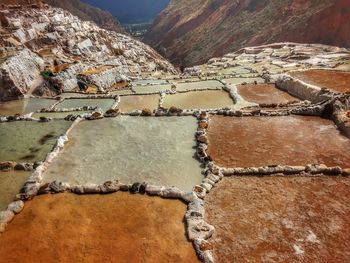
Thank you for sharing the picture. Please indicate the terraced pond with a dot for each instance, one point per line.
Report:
(130, 103)
(280, 219)
(262, 141)
(208, 99)
(24, 106)
(151, 88)
(333, 80)
(198, 85)
(237, 81)
(10, 184)
(264, 94)
(132, 149)
(29, 141)
(92, 228)
(59, 115)
(103, 104)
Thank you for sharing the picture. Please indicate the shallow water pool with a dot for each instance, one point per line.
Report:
(103, 104)
(10, 185)
(207, 99)
(29, 141)
(24, 106)
(132, 149)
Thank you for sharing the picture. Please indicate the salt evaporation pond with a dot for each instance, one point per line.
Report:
(207, 99)
(329, 79)
(151, 88)
(59, 115)
(264, 94)
(24, 106)
(114, 228)
(121, 92)
(287, 140)
(29, 141)
(132, 149)
(148, 82)
(103, 104)
(198, 85)
(11, 184)
(235, 81)
(130, 103)
(280, 216)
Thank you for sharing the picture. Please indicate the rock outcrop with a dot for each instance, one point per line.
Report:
(19, 74)
(88, 12)
(42, 37)
(190, 32)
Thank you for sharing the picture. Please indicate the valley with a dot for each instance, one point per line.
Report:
(109, 152)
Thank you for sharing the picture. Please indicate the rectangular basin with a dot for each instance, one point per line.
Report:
(287, 140)
(155, 150)
(207, 99)
(29, 141)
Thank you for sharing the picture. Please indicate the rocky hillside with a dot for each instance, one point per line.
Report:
(88, 12)
(82, 10)
(190, 32)
(34, 40)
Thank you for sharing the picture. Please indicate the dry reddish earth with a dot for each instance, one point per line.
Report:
(280, 219)
(261, 141)
(333, 80)
(264, 94)
(111, 228)
(193, 31)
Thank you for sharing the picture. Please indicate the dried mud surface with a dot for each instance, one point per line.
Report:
(264, 93)
(112, 228)
(334, 80)
(280, 219)
(261, 141)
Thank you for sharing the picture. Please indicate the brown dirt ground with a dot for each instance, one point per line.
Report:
(280, 219)
(334, 80)
(264, 94)
(92, 228)
(262, 141)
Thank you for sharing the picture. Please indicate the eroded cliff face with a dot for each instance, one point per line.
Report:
(192, 31)
(67, 47)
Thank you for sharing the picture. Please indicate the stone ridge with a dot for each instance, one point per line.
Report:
(192, 31)
(54, 39)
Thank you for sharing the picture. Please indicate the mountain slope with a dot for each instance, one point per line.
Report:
(88, 12)
(84, 11)
(34, 39)
(131, 11)
(189, 32)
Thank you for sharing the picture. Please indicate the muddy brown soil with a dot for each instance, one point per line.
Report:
(111, 228)
(262, 141)
(333, 80)
(280, 219)
(264, 94)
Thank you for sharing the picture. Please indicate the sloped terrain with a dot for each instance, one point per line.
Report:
(37, 39)
(189, 32)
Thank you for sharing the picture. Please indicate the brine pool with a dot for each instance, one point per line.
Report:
(24, 106)
(131, 149)
(103, 104)
(207, 99)
(29, 141)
